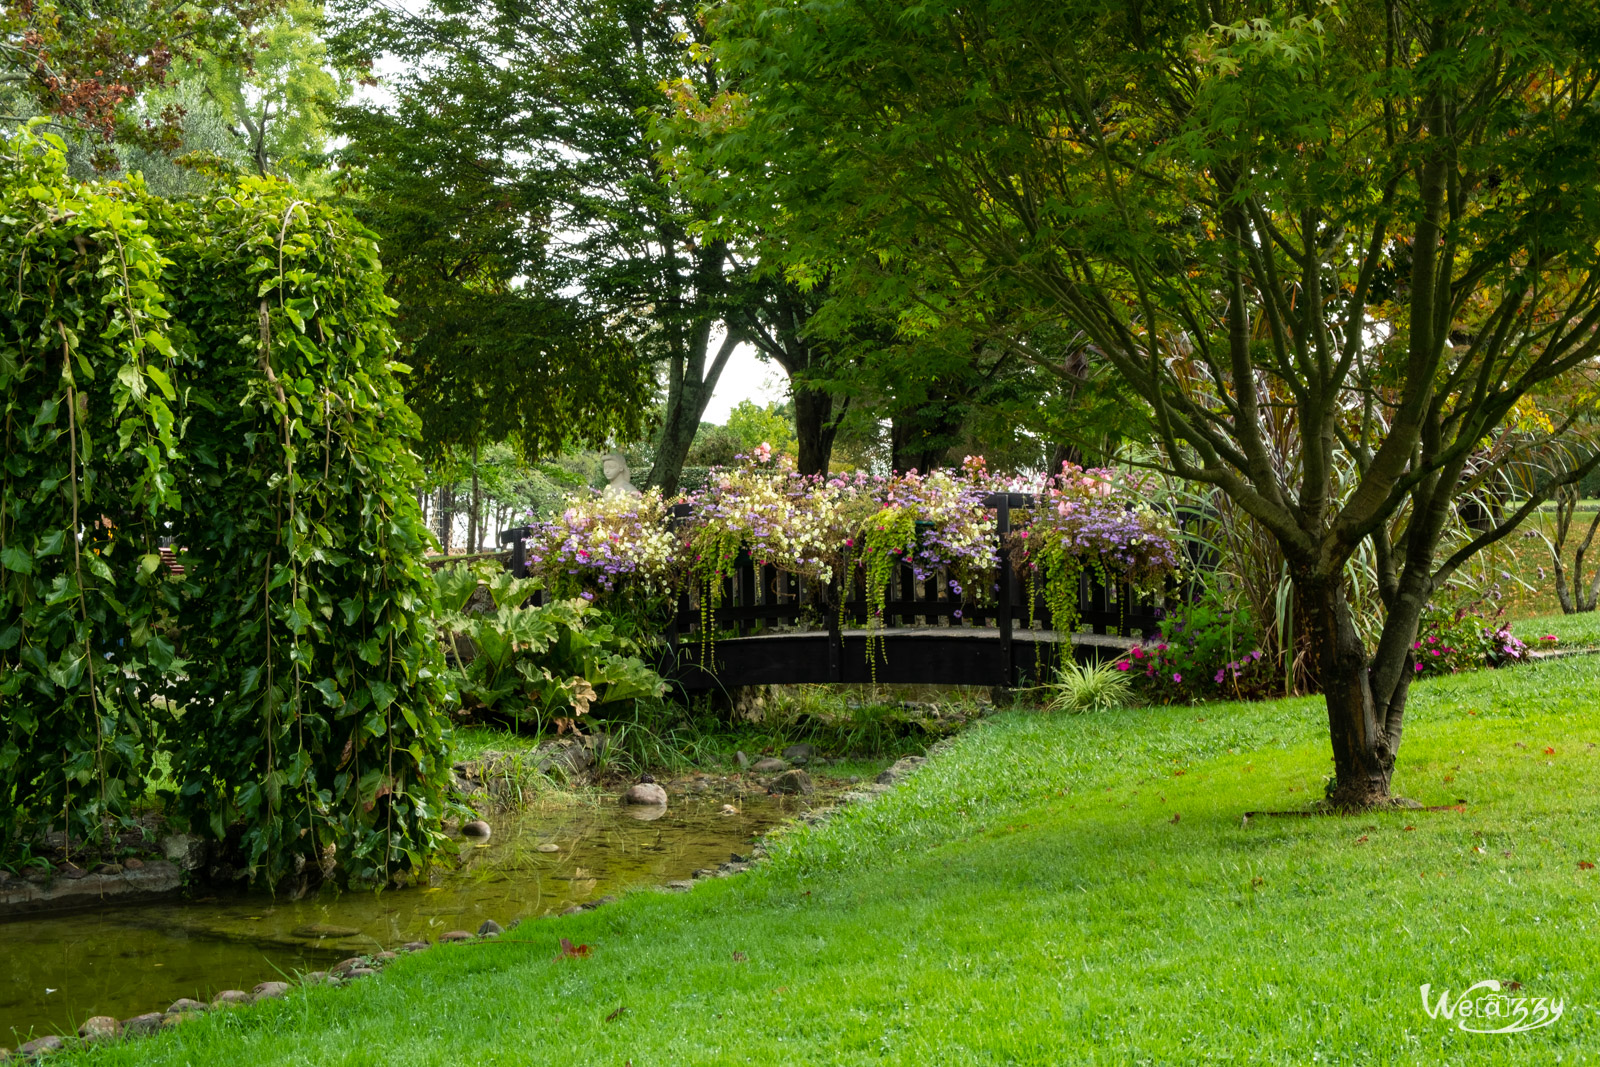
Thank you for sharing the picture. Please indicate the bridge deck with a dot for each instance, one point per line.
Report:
(932, 655)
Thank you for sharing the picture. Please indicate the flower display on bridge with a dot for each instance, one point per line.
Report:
(1095, 520)
(600, 541)
(937, 526)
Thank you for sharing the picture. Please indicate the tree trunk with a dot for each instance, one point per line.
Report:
(919, 444)
(815, 426)
(688, 393)
(1363, 758)
(475, 508)
(447, 516)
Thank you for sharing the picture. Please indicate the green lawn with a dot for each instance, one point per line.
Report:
(1060, 890)
(1575, 631)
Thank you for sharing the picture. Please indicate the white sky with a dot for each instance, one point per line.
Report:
(746, 377)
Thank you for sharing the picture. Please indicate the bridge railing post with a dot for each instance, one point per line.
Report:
(1005, 611)
(517, 538)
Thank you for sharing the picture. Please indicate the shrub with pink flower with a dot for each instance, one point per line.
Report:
(1208, 650)
(1461, 633)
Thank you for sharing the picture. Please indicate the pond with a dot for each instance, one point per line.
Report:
(55, 971)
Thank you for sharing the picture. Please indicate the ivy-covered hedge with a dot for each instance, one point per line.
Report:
(217, 372)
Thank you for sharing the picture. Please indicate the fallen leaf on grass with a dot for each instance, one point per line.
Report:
(614, 1016)
(569, 951)
(1176, 817)
(1179, 774)
(739, 957)
(1410, 827)
(1585, 865)
(1549, 751)
(1360, 839)
(781, 989)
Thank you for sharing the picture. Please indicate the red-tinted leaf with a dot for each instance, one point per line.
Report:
(569, 951)
(1585, 865)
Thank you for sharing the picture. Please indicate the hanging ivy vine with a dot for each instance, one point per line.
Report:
(217, 372)
(86, 403)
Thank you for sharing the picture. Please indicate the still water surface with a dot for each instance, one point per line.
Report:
(57, 971)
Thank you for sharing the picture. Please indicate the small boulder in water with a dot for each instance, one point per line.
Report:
(314, 931)
(645, 793)
(490, 928)
(477, 828)
(230, 998)
(271, 990)
(796, 783)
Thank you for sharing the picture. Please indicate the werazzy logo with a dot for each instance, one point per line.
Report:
(1485, 1009)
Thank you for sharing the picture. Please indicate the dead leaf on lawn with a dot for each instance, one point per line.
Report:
(614, 1016)
(739, 957)
(569, 951)
(1585, 865)
(1175, 817)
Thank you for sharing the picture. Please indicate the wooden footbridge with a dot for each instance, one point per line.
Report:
(773, 627)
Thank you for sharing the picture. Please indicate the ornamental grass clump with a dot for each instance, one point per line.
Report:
(1089, 687)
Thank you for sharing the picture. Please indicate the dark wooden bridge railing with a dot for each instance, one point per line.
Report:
(789, 629)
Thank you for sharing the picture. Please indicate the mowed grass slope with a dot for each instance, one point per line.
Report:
(1055, 890)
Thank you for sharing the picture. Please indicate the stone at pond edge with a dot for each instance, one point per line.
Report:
(230, 997)
(415, 946)
(315, 978)
(455, 935)
(900, 768)
(385, 957)
(41, 1046)
(360, 972)
(347, 965)
(186, 850)
(477, 828)
(148, 1023)
(548, 847)
(794, 783)
(645, 793)
(490, 928)
(133, 864)
(185, 1004)
(744, 760)
(99, 1027)
(313, 931)
(800, 754)
(270, 990)
(770, 764)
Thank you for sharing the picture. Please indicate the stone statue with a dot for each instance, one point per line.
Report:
(618, 482)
